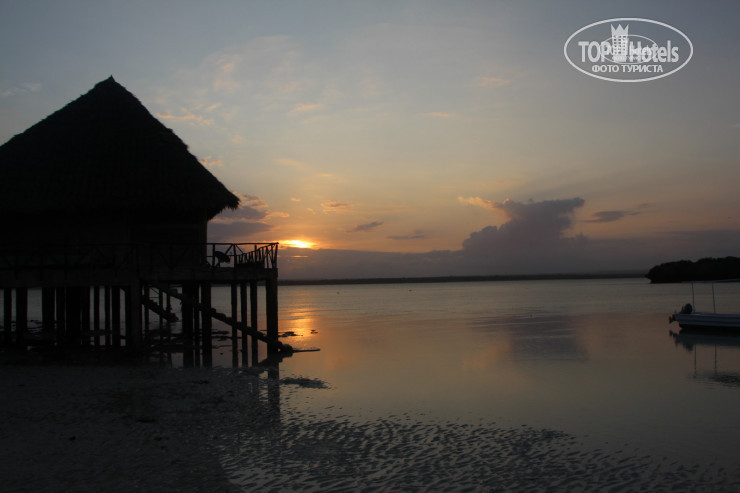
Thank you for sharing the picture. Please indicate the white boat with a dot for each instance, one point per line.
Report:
(690, 320)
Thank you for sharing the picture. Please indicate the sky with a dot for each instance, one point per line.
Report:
(414, 138)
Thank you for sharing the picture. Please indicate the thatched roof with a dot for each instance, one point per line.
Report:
(102, 153)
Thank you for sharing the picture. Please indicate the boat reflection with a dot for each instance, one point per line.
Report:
(725, 372)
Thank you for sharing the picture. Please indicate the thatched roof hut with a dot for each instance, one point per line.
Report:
(103, 167)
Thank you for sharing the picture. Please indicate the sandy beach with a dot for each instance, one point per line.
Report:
(108, 428)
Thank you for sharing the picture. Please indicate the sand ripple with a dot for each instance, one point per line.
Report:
(133, 429)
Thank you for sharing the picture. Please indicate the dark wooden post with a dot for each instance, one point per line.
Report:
(207, 344)
(187, 326)
(271, 309)
(85, 314)
(107, 315)
(21, 313)
(115, 313)
(134, 340)
(61, 307)
(146, 296)
(254, 320)
(234, 332)
(8, 314)
(243, 306)
(47, 310)
(72, 312)
(96, 315)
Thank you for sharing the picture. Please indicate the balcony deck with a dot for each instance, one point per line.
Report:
(121, 264)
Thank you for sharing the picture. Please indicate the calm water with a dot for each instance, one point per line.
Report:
(592, 358)
(515, 386)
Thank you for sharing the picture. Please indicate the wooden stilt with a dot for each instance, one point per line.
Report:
(72, 312)
(134, 340)
(96, 315)
(187, 327)
(243, 306)
(146, 295)
(47, 310)
(85, 314)
(8, 315)
(207, 342)
(61, 319)
(21, 313)
(107, 326)
(271, 309)
(234, 332)
(115, 313)
(254, 317)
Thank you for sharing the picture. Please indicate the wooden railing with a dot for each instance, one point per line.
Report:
(244, 254)
(140, 258)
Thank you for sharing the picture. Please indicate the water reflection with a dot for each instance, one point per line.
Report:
(715, 356)
(540, 336)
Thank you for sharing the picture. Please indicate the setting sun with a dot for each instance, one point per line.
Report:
(298, 243)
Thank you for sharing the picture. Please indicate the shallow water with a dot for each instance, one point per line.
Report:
(592, 360)
(506, 386)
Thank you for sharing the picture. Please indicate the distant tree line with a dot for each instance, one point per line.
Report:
(706, 269)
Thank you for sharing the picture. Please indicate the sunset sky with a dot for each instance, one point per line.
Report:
(408, 138)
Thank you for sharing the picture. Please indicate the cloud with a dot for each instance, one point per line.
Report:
(416, 235)
(248, 219)
(609, 216)
(365, 227)
(334, 206)
(208, 162)
(532, 238)
(188, 117)
(303, 108)
(492, 82)
(477, 202)
(23, 87)
(235, 231)
(295, 199)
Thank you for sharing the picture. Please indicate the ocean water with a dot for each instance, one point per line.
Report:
(591, 360)
(567, 385)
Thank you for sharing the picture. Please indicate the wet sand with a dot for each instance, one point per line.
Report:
(79, 428)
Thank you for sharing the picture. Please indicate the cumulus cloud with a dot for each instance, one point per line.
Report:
(365, 227)
(534, 232)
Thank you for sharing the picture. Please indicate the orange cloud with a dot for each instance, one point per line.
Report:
(334, 206)
(478, 202)
(486, 81)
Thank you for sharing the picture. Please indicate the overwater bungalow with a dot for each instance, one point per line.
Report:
(105, 210)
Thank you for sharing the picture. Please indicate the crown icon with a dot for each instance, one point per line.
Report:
(620, 31)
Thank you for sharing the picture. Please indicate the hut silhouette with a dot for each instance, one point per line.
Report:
(102, 194)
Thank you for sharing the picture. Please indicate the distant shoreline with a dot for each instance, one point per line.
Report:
(441, 279)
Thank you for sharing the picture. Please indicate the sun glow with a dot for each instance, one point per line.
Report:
(298, 243)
